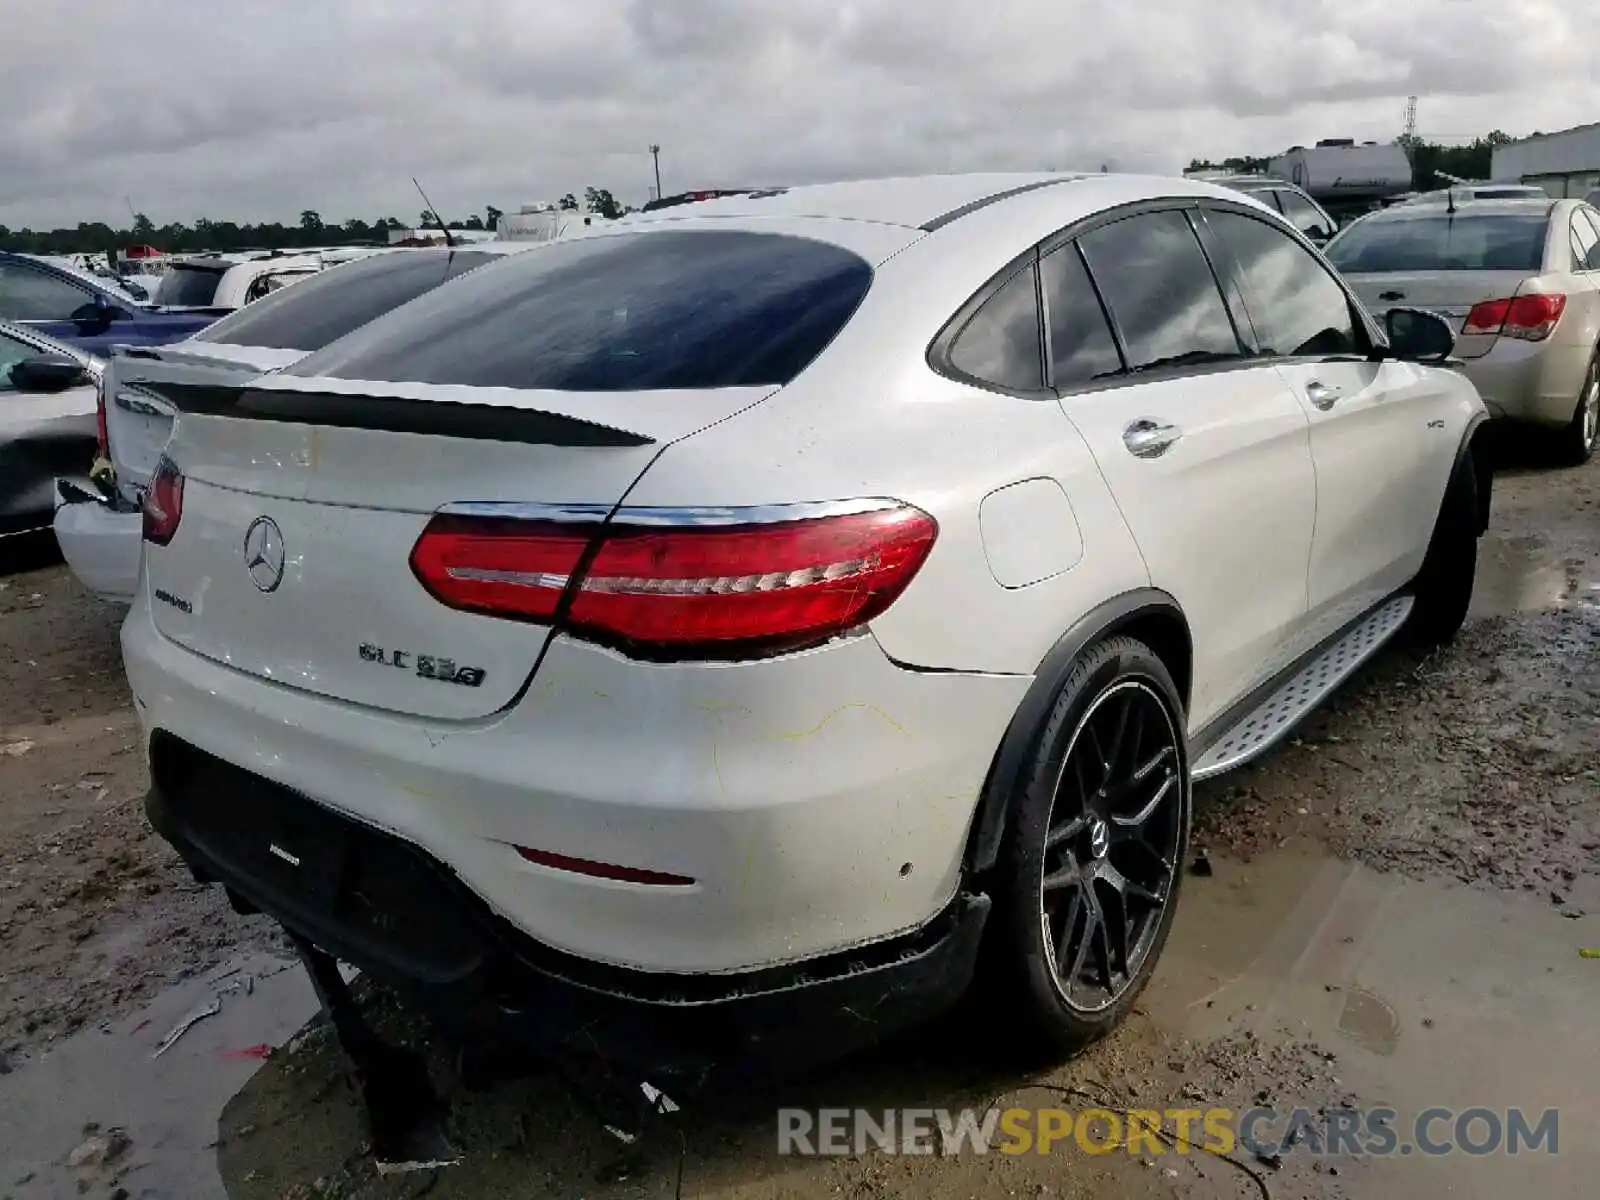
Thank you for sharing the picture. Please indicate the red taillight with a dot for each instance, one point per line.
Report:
(1531, 318)
(163, 503)
(102, 435)
(509, 568)
(681, 588)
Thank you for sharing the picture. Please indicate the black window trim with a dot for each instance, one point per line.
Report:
(1111, 380)
(938, 354)
(1580, 265)
(1361, 318)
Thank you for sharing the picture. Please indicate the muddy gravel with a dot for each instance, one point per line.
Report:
(1435, 798)
(97, 914)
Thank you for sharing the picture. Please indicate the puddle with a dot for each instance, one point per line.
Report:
(1517, 574)
(167, 1106)
(1431, 995)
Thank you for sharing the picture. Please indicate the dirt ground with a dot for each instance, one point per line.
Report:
(1449, 801)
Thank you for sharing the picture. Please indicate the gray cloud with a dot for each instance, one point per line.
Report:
(260, 108)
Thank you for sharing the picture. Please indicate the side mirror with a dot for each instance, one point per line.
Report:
(1318, 236)
(97, 314)
(136, 290)
(1418, 335)
(47, 373)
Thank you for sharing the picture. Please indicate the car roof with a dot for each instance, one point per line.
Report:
(925, 202)
(1424, 209)
(912, 201)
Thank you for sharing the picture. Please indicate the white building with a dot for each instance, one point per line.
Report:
(1563, 164)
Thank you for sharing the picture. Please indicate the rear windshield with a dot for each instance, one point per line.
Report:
(621, 312)
(329, 305)
(189, 287)
(1499, 242)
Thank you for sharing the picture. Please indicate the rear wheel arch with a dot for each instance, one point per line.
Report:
(1148, 615)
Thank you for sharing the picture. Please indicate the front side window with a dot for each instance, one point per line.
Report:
(1162, 294)
(27, 294)
(1081, 346)
(1000, 344)
(11, 353)
(1296, 307)
(1463, 242)
(1303, 215)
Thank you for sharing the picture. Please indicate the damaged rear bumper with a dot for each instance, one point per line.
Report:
(385, 906)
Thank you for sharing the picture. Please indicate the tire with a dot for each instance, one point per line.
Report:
(1119, 678)
(1442, 590)
(1578, 440)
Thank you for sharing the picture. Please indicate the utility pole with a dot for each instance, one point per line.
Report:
(655, 154)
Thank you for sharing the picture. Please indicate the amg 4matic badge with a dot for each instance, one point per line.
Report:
(426, 666)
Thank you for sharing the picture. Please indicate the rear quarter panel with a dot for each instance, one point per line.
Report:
(871, 419)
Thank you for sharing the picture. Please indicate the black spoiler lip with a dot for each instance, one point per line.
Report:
(393, 414)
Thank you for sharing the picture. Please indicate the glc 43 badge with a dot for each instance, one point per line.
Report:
(426, 666)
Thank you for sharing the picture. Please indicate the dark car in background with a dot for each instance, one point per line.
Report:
(73, 307)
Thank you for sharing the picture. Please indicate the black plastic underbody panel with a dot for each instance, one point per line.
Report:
(382, 904)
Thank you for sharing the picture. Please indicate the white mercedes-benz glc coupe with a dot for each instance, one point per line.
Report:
(722, 624)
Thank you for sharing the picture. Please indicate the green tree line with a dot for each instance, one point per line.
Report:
(96, 237)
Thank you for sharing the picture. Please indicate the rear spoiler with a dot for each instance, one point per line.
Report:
(393, 414)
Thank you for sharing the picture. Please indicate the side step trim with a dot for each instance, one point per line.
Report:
(1287, 705)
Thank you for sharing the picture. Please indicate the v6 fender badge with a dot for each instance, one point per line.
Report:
(424, 666)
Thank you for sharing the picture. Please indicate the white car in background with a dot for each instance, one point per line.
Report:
(229, 281)
(1519, 281)
(723, 624)
(97, 521)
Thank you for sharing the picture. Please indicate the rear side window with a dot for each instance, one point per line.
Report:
(1081, 347)
(1161, 292)
(999, 344)
(621, 312)
(1585, 243)
(1295, 306)
(189, 287)
(329, 305)
(1486, 242)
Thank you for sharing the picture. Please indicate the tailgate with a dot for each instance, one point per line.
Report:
(139, 420)
(291, 560)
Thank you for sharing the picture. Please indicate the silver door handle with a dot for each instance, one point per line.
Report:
(1150, 439)
(1321, 395)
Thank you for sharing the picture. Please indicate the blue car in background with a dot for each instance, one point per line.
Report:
(76, 308)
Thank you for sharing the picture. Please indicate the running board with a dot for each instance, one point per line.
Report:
(1265, 725)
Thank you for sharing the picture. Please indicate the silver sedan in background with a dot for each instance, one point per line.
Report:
(1520, 282)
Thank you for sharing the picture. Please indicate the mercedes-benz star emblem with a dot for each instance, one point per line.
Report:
(1099, 837)
(263, 553)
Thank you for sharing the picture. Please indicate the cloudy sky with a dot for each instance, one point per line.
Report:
(257, 109)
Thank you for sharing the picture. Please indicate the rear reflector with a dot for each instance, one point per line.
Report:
(685, 589)
(1531, 318)
(600, 870)
(163, 503)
